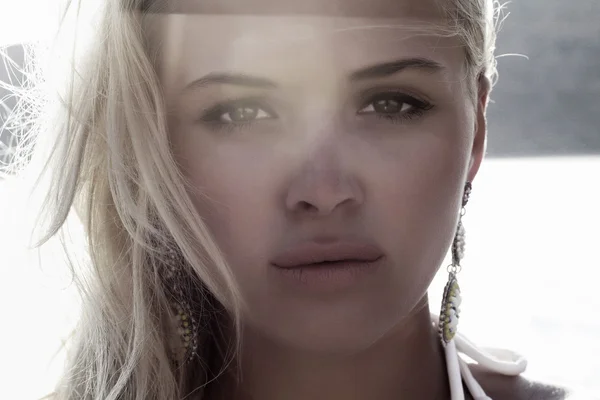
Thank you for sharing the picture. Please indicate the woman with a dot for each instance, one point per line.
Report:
(268, 189)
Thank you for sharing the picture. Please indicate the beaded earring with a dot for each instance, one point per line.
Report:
(451, 300)
(185, 323)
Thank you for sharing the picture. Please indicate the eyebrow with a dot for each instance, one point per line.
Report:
(231, 79)
(371, 72)
(390, 68)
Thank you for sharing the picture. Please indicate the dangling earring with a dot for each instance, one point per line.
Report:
(451, 300)
(185, 344)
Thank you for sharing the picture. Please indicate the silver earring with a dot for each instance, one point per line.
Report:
(451, 300)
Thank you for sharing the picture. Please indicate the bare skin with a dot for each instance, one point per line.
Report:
(325, 122)
(499, 387)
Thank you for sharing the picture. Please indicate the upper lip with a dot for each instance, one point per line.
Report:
(312, 252)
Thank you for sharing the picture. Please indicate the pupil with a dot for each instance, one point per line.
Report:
(387, 106)
(244, 114)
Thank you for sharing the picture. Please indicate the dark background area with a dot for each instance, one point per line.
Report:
(547, 104)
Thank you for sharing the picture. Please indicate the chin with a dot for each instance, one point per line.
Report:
(340, 332)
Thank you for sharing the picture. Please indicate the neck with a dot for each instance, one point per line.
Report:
(408, 363)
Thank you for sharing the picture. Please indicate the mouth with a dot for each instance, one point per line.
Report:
(313, 255)
(336, 264)
(328, 268)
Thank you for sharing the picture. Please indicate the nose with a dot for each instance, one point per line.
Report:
(322, 186)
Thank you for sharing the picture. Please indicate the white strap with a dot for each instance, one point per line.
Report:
(452, 363)
(474, 387)
(500, 361)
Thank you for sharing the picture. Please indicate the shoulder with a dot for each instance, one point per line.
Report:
(500, 387)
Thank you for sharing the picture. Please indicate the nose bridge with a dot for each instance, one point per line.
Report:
(323, 168)
(324, 180)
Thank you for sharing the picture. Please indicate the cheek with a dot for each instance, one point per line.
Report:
(232, 188)
(427, 174)
(416, 192)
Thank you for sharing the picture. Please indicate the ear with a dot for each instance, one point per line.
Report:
(480, 134)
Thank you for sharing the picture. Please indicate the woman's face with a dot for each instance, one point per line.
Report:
(321, 134)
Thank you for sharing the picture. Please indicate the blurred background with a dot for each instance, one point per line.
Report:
(530, 279)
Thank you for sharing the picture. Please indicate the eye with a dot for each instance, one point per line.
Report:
(238, 112)
(394, 106)
(244, 114)
(386, 106)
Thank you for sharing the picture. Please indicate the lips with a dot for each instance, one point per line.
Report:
(313, 254)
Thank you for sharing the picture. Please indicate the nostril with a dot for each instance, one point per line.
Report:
(306, 206)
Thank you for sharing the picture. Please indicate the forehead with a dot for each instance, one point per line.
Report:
(311, 40)
(341, 8)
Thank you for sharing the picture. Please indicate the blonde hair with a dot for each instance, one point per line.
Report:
(109, 160)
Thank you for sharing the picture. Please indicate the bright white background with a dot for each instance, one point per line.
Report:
(23, 20)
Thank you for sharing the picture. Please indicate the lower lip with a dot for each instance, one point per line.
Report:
(330, 276)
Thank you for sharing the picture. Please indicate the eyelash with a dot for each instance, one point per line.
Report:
(418, 107)
(212, 116)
